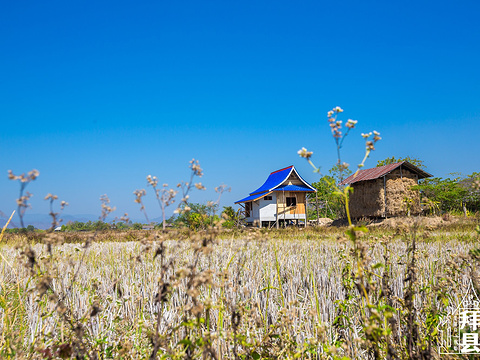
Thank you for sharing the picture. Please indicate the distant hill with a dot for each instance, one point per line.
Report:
(44, 221)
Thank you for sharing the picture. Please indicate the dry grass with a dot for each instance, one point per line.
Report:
(291, 286)
(368, 198)
(401, 199)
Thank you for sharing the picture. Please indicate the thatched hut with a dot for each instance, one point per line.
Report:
(385, 191)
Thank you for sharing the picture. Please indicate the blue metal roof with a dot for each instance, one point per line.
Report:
(294, 188)
(252, 197)
(274, 179)
(274, 182)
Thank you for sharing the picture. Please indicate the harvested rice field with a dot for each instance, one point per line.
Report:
(249, 295)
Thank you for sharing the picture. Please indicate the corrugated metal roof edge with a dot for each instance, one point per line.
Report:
(293, 190)
(370, 174)
(417, 169)
(288, 167)
(281, 182)
(362, 174)
(352, 179)
(296, 172)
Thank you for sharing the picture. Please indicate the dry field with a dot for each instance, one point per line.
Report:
(250, 295)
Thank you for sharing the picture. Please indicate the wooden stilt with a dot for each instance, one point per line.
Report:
(306, 209)
(276, 212)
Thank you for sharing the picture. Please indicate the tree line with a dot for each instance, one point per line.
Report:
(199, 217)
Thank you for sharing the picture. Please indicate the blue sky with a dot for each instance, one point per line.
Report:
(97, 95)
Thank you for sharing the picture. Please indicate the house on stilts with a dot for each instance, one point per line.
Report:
(385, 191)
(280, 201)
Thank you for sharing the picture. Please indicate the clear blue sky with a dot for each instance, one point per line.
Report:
(96, 95)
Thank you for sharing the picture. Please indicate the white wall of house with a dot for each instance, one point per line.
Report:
(268, 208)
(265, 210)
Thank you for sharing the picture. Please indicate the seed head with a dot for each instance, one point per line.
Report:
(199, 186)
(351, 123)
(304, 153)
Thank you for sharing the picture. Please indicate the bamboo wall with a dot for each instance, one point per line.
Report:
(282, 203)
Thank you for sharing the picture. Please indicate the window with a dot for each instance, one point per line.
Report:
(291, 201)
(268, 197)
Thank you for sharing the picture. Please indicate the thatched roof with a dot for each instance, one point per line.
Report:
(375, 173)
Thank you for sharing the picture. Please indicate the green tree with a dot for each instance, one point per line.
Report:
(87, 226)
(231, 217)
(74, 226)
(137, 226)
(100, 226)
(330, 204)
(443, 192)
(460, 194)
(198, 216)
(471, 196)
(121, 225)
(340, 172)
(392, 160)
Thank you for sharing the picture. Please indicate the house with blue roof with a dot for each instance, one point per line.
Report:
(281, 200)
